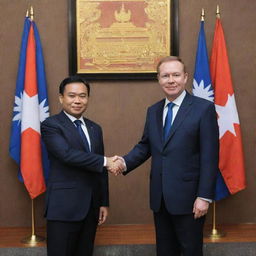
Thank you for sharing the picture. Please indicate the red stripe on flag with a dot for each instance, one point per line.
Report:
(30, 75)
(232, 161)
(31, 162)
(231, 152)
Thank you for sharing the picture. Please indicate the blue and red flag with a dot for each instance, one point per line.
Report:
(30, 108)
(202, 87)
(231, 161)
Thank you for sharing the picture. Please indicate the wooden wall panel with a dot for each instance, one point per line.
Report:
(120, 106)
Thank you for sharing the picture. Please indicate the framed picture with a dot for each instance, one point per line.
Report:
(113, 39)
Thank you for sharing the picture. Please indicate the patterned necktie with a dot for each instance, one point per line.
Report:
(168, 120)
(78, 124)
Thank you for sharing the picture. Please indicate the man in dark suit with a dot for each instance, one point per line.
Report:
(77, 191)
(181, 136)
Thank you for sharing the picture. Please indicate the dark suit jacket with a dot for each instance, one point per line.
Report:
(77, 178)
(185, 166)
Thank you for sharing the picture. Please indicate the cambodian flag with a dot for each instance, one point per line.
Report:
(30, 108)
(202, 88)
(231, 161)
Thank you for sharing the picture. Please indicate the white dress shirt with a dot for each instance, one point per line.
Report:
(175, 108)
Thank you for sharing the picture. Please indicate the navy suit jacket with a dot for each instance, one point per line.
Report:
(183, 167)
(77, 178)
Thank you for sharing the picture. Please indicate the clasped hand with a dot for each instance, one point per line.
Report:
(116, 165)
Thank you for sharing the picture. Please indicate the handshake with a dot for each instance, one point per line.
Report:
(116, 165)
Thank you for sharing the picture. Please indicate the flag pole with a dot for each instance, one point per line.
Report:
(202, 15)
(218, 12)
(31, 13)
(215, 234)
(34, 239)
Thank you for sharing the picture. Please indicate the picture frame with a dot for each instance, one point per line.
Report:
(113, 39)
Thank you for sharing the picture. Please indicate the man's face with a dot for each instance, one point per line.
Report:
(74, 99)
(172, 79)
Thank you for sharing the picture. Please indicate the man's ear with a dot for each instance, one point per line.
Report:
(186, 76)
(61, 98)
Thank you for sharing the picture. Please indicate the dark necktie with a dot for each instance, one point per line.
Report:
(78, 124)
(168, 120)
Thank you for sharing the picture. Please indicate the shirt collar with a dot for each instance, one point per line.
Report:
(177, 101)
(72, 118)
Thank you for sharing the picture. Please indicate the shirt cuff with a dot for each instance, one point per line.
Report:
(206, 199)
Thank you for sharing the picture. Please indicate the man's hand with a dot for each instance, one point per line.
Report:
(103, 214)
(200, 208)
(115, 165)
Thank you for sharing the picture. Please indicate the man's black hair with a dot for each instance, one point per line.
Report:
(73, 79)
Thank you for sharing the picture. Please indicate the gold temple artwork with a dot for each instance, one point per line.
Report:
(122, 36)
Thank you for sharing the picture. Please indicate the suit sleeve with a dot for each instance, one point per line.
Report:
(141, 152)
(59, 148)
(104, 179)
(209, 153)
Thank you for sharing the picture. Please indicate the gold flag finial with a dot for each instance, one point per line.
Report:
(202, 15)
(27, 13)
(218, 12)
(31, 13)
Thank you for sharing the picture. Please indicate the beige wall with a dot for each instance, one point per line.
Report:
(120, 106)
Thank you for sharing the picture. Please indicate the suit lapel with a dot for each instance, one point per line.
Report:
(91, 134)
(159, 119)
(181, 115)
